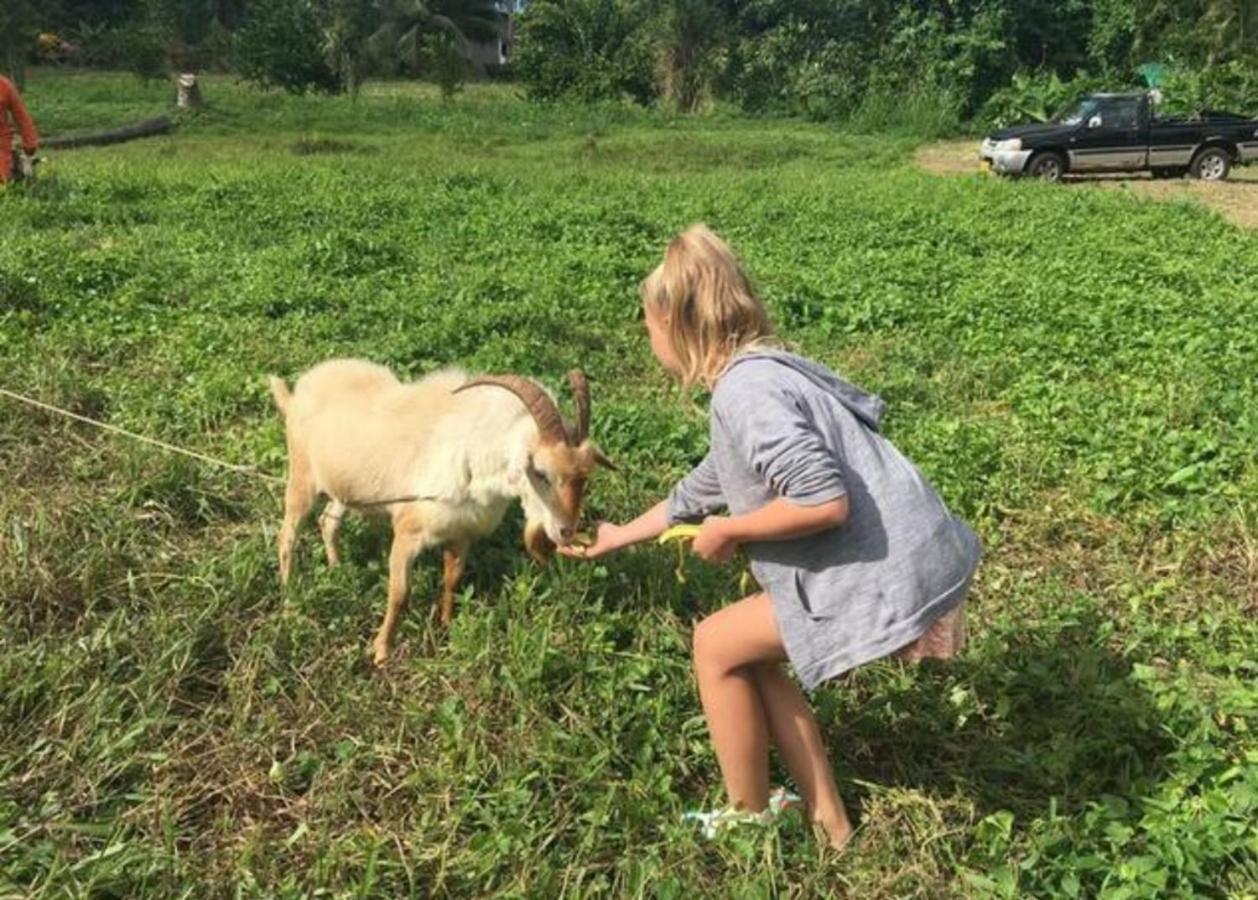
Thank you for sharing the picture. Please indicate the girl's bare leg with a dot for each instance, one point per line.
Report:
(745, 697)
(725, 644)
(798, 739)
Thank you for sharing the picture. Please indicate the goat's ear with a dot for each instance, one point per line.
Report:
(601, 458)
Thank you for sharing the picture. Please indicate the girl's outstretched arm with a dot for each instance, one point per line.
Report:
(780, 520)
(610, 537)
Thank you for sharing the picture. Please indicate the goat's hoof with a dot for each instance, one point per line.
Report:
(380, 654)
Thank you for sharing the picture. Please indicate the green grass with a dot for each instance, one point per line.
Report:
(1075, 370)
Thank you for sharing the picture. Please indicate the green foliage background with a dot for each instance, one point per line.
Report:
(920, 66)
(1074, 369)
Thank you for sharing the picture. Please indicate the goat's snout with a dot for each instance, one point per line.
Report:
(566, 534)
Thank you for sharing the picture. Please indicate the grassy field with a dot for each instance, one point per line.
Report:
(1075, 370)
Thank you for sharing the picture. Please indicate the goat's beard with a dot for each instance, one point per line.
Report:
(538, 543)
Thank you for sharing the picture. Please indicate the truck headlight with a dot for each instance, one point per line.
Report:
(1012, 145)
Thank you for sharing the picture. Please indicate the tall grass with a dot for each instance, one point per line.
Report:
(923, 113)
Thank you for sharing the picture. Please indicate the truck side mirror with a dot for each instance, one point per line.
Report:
(1094, 122)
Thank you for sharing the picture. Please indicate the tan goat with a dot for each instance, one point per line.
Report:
(442, 461)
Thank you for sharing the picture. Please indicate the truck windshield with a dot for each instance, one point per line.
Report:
(1077, 112)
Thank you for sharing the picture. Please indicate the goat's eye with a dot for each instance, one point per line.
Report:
(538, 475)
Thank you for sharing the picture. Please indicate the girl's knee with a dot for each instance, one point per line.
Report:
(705, 648)
(737, 637)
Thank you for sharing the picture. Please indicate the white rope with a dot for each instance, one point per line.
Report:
(48, 407)
(222, 463)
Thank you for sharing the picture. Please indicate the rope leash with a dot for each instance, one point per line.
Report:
(48, 407)
(221, 463)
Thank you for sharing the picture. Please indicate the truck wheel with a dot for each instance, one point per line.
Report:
(1047, 166)
(1212, 164)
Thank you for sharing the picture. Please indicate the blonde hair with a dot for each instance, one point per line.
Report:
(712, 310)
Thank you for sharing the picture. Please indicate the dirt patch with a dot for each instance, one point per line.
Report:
(949, 157)
(1236, 199)
(322, 146)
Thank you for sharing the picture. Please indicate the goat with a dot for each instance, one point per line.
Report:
(443, 461)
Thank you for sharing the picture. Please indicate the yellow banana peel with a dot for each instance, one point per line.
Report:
(678, 533)
(682, 533)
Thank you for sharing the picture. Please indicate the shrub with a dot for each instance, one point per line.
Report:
(1229, 86)
(141, 47)
(1037, 97)
(925, 112)
(444, 58)
(585, 50)
(789, 70)
(281, 45)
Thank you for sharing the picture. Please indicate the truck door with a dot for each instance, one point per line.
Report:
(1173, 142)
(1113, 137)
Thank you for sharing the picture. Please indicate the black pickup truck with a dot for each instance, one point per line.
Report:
(1123, 133)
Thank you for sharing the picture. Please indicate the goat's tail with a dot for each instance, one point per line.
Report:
(281, 393)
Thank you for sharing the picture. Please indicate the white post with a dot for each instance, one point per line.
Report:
(189, 91)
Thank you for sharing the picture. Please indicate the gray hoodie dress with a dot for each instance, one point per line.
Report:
(783, 426)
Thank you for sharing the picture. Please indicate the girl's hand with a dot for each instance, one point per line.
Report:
(715, 542)
(607, 538)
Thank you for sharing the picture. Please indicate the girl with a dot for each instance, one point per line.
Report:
(856, 555)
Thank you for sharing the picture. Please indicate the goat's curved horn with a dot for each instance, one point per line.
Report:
(581, 397)
(536, 401)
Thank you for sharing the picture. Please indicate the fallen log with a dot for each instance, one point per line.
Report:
(147, 128)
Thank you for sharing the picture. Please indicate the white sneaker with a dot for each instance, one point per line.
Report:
(713, 823)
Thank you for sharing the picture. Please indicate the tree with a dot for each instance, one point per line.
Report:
(1229, 28)
(1048, 34)
(586, 49)
(19, 25)
(1194, 32)
(347, 26)
(1112, 36)
(153, 37)
(282, 44)
(691, 47)
(228, 13)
